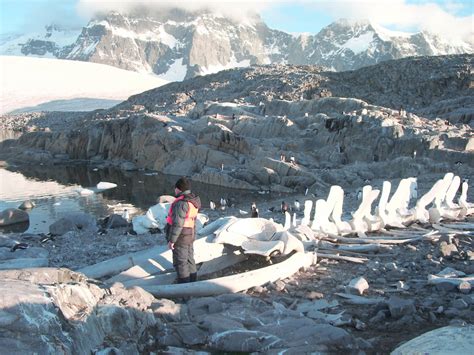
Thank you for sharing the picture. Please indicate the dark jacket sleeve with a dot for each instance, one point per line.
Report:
(180, 209)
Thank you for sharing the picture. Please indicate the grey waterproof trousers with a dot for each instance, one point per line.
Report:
(183, 261)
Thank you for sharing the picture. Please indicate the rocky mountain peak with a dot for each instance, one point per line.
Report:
(177, 44)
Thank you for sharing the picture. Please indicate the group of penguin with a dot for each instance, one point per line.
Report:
(254, 210)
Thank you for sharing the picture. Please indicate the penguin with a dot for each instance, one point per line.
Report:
(223, 203)
(212, 205)
(284, 207)
(125, 214)
(254, 210)
(297, 205)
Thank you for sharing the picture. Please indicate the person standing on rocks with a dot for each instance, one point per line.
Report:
(180, 230)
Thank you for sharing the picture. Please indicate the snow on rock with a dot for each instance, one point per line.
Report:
(106, 185)
(28, 82)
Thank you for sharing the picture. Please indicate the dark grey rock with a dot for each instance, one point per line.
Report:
(459, 303)
(400, 307)
(13, 216)
(203, 306)
(218, 323)
(27, 205)
(116, 221)
(167, 309)
(244, 341)
(190, 334)
(62, 226)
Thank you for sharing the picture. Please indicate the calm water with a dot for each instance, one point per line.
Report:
(54, 189)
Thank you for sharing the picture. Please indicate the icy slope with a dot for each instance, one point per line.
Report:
(26, 82)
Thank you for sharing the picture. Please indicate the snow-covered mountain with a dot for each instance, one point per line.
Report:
(52, 43)
(177, 44)
(345, 45)
(44, 84)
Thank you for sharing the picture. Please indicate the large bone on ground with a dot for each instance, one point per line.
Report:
(421, 213)
(345, 258)
(321, 221)
(308, 206)
(120, 263)
(115, 265)
(215, 225)
(262, 247)
(354, 299)
(443, 229)
(359, 223)
(452, 190)
(287, 221)
(434, 280)
(282, 242)
(441, 193)
(469, 207)
(206, 268)
(238, 282)
(303, 233)
(243, 229)
(204, 250)
(356, 247)
(375, 240)
(380, 210)
(343, 227)
(460, 226)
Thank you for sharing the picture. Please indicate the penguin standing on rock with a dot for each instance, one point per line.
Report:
(254, 211)
(212, 205)
(223, 203)
(297, 205)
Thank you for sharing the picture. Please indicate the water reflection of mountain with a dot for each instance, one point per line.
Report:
(136, 187)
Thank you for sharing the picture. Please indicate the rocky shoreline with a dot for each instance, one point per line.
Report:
(399, 302)
(291, 129)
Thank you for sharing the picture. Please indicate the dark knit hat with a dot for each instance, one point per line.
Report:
(183, 184)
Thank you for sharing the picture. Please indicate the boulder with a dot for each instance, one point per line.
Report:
(13, 216)
(400, 307)
(47, 311)
(116, 221)
(450, 339)
(62, 226)
(358, 286)
(27, 205)
(73, 222)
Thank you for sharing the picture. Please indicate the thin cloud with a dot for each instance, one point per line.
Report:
(402, 15)
(235, 9)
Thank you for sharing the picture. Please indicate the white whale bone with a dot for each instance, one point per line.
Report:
(308, 205)
(238, 282)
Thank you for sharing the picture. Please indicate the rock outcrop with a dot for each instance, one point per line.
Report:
(281, 128)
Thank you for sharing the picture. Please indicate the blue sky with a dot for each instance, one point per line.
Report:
(290, 16)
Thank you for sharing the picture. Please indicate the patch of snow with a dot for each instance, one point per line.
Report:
(359, 44)
(201, 29)
(29, 81)
(176, 72)
(11, 45)
(388, 35)
(166, 38)
(233, 63)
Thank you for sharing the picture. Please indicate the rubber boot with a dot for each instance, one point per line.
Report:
(183, 280)
(193, 277)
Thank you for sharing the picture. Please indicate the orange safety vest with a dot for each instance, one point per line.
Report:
(190, 216)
